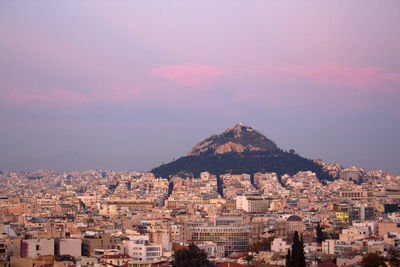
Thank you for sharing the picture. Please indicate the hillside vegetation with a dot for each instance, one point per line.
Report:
(237, 163)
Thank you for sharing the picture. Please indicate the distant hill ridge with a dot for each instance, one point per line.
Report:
(238, 150)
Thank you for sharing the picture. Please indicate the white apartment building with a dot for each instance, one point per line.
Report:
(333, 246)
(253, 204)
(142, 251)
(232, 238)
(212, 249)
(279, 245)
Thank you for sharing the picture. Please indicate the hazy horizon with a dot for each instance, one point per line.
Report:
(129, 85)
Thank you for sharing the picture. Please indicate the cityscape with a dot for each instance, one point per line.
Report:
(155, 133)
(131, 218)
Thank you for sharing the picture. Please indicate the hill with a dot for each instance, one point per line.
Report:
(238, 150)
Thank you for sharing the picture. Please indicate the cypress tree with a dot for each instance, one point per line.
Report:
(302, 258)
(320, 234)
(297, 258)
(288, 259)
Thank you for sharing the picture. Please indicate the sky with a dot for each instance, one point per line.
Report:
(132, 84)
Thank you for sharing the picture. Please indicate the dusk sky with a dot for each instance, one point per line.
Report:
(131, 84)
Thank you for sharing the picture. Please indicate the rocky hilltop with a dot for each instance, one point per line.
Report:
(238, 139)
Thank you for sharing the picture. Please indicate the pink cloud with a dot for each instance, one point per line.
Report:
(57, 96)
(365, 78)
(114, 92)
(273, 84)
(64, 97)
(189, 75)
(324, 86)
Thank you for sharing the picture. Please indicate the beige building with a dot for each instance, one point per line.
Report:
(103, 241)
(114, 260)
(32, 248)
(385, 227)
(358, 194)
(32, 262)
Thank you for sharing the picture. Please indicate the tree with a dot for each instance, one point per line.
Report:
(295, 257)
(170, 188)
(394, 257)
(191, 256)
(320, 234)
(302, 257)
(288, 259)
(263, 244)
(373, 260)
(248, 259)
